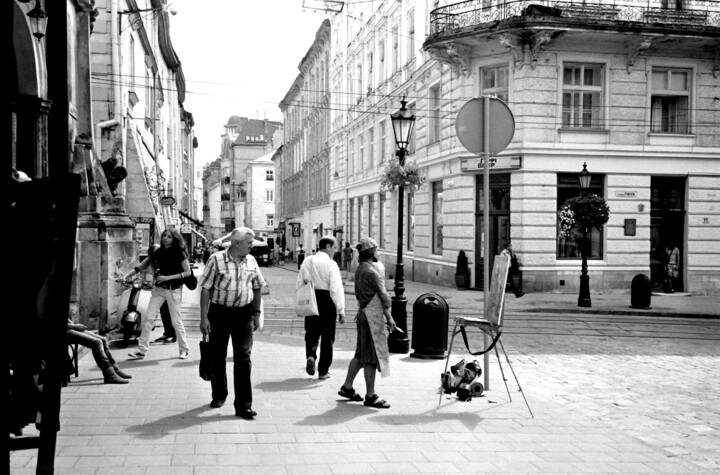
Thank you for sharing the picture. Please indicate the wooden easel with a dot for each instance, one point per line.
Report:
(491, 325)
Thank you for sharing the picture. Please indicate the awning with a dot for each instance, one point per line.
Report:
(199, 234)
(184, 214)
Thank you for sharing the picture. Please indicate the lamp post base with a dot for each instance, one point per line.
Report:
(399, 342)
(584, 297)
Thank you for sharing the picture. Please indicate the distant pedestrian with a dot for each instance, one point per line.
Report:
(347, 256)
(325, 276)
(374, 323)
(300, 255)
(672, 268)
(513, 269)
(231, 306)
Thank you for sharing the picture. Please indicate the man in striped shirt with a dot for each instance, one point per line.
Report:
(230, 306)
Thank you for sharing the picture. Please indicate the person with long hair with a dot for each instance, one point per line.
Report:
(374, 322)
(171, 265)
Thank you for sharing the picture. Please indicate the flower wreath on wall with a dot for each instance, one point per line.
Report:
(583, 212)
(395, 175)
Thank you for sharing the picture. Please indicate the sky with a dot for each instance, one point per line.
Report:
(239, 57)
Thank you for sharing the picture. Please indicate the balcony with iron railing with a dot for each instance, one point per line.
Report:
(676, 14)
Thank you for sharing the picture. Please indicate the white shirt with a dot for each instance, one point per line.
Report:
(324, 274)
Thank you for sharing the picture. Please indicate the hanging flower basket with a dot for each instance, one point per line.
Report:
(583, 212)
(395, 175)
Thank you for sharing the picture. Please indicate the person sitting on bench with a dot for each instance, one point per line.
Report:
(76, 334)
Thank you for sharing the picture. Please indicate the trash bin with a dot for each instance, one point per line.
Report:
(640, 292)
(430, 327)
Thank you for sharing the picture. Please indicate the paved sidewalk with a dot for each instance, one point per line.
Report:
(609, 394)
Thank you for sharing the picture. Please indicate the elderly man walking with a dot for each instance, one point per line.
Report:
(230, 306)
(324, 273)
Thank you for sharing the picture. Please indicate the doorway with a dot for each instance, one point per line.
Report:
(667, 227)
(499, 226)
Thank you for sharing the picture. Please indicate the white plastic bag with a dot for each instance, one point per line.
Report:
(306, 304)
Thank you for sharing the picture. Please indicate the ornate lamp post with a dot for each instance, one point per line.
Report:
(402, 129)
(584, 297)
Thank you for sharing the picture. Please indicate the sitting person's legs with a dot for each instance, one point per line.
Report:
(101, 354)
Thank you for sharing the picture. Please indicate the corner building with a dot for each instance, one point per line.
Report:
(632, 89)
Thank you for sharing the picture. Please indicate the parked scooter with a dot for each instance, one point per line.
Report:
(132, 307)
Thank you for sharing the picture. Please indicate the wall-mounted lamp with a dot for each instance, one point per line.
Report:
(641, 207)
(38, 20)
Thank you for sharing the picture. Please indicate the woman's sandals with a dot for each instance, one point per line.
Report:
(350, 394)
(376, 402)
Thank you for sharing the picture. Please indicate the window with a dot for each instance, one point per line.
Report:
(371, 215)
(371, 147)
(133, 79)
(270, 175)
(582, 95)
(410, 221)
(361, 152)
(351, 157)
(437, 217)
(411, 35)
(494, 82)
(360, 218)
(395, 50)
(359, 76)
(270, 196)
(381, 221)
(383, 139)
(569, 247)
(670, 101)
(370, 70)
(434, 118)
(381, 61)
(270, 223)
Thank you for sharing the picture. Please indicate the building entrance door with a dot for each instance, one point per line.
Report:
(499, 229)
(667, 227)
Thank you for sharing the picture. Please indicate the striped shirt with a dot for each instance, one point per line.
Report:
(231, 283)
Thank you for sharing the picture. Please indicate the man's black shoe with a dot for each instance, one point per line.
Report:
(217, 403)
(248, 413)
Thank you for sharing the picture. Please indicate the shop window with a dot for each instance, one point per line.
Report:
(569, 247)
(437, 217)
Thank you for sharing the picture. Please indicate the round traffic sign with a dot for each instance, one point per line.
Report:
(469, 125)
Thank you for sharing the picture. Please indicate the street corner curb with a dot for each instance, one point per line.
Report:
(639, 313)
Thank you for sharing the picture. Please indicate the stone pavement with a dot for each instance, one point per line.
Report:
(610, 392)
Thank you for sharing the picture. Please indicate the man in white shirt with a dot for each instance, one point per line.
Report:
(324, 273)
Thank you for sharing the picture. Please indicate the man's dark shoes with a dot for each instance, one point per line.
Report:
(170, 339)
(310, 365)
(162, 339)
(217, 403)
(519, 294)
(247, 413)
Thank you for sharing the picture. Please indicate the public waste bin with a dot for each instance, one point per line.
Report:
(430, 327)
(640, 292)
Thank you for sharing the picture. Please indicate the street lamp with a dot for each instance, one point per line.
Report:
(584, 296)
(402, 129)
(38, 20)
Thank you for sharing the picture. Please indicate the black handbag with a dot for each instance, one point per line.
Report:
(205, 359)
(190, 281)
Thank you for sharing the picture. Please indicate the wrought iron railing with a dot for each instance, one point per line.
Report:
(678, 13)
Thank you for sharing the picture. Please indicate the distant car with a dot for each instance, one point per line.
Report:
(261, 253)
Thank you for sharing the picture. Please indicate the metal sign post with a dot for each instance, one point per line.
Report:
(494, 136)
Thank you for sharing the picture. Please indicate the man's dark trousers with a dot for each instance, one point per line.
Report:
(320, 331)
(235, 322)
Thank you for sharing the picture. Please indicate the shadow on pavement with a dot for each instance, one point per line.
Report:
(344, 411)
(290, 384)
(163, 426)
